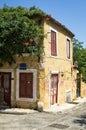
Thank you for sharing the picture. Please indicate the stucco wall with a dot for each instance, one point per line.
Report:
(59, 64)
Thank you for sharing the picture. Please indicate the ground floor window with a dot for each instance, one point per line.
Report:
(26, 84)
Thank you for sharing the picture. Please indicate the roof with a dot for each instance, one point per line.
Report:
(38, 12)
(61, 25)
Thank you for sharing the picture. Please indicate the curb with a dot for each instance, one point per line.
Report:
(15, 113)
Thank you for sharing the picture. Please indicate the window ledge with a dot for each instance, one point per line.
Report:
(54, 57)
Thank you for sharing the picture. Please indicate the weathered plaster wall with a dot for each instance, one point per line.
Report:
(60, 64)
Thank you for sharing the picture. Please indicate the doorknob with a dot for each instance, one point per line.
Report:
(28, 82)
(6, 91)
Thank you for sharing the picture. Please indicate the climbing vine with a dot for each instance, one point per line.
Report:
(21, 31)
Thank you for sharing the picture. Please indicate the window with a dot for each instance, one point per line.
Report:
(53, 43)
(68, 48)
(26, 85)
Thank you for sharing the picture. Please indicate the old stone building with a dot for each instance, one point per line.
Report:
(52, 81)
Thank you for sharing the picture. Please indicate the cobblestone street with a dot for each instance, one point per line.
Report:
(69, 120)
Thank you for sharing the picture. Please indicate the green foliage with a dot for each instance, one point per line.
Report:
(17, 26)
(83, 64)
(77, 47)
(79, 55)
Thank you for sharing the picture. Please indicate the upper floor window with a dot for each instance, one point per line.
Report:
(68, 48)
(53, 43)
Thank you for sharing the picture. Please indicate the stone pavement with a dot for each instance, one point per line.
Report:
(53, 109)
(66, 106)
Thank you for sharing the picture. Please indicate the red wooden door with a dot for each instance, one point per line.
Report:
(26, 85)
(54, 89)
(5, 84)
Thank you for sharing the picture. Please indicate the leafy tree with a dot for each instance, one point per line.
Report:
(79, 55)
(83, 64)
(21, 30)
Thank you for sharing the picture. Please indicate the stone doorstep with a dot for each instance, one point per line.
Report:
(17, 111)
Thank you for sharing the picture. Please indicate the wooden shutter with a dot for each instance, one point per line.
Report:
(53, 43)
(26, 85)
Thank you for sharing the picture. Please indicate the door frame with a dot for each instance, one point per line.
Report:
(34, 71)
(12, 82)
(54, 72)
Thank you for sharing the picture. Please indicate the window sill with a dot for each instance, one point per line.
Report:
(27, 99)
(54, 57)
(68, 59)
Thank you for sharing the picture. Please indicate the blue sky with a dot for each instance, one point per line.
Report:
(71, 13)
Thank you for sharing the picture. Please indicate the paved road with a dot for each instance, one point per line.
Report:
(70, 120)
